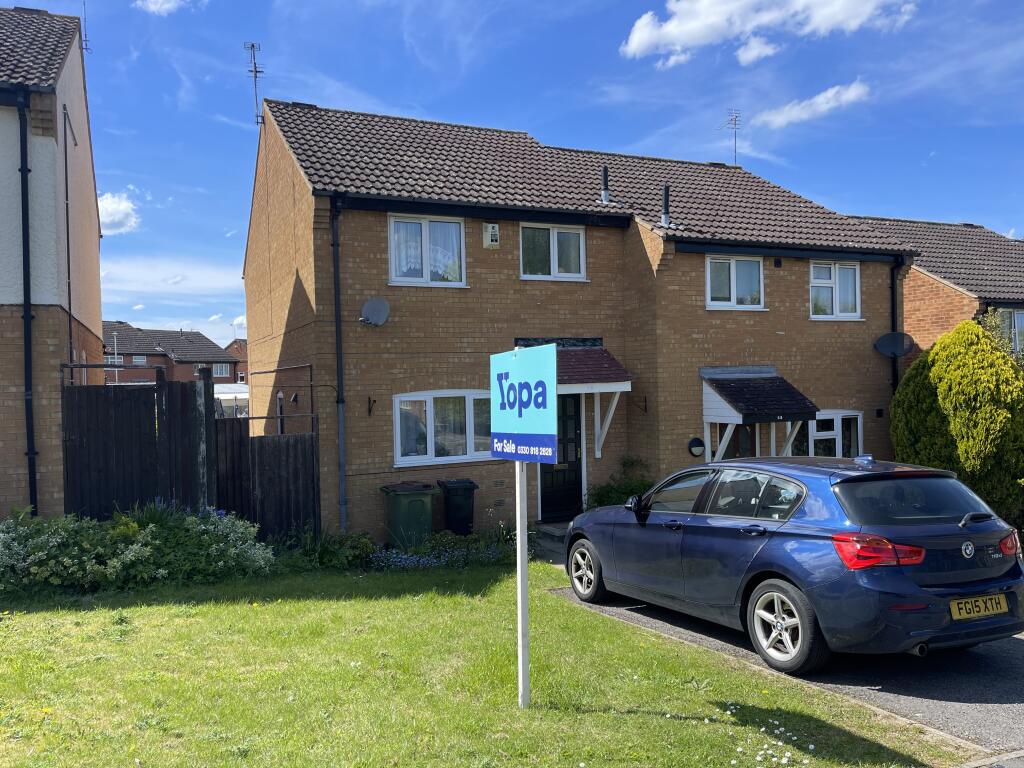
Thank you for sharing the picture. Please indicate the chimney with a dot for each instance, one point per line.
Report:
(605, 195)
(665, 221)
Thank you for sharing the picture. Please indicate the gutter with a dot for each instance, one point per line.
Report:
(26, 311)
(339, 368)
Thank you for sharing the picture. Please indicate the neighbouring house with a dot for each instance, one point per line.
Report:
(240, 349)
(961, 271)
(49, 249)
(721, 316)
(180, 353)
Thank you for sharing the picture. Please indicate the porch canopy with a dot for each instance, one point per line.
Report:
(744, 396)
(592, 370)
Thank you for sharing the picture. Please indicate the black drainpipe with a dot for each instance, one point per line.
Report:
(26, 310)
(893, 311)
(67, 242)
(339, 371)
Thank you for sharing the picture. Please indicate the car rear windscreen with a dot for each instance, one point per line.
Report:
(908, 500)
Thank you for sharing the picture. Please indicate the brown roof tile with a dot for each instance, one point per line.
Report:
(976, 259)
(589, 365)
(394, 157)
(33, 46)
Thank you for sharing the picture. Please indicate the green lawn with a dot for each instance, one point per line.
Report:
(400, 670)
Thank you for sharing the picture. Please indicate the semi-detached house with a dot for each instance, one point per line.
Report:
(721, 316)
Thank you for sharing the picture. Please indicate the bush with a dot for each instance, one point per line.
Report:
(155, 543)
(961, 407)
(312, 552)
(448, 550)
(632, 480)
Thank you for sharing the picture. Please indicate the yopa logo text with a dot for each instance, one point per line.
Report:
(521, 396)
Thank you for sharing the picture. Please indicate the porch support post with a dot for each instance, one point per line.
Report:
(724, 442)
(583, 446)
(707, 439)
(601, 425)
(787, 447)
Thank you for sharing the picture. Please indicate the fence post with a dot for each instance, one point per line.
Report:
(163, 448)
(206, 443)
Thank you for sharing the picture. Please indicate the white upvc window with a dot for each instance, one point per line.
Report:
(548, 252)
(113, 359)
(138, 359)
(241, 377)
(427, 250)
(835, 290)
(734, 282)
(221, 370)
(1013, 326)
(442, 427)
(833, 433)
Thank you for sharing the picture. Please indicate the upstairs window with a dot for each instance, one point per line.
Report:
(427, 251)
(221, 370)
(113, 359)
(138, 359)
(552, 253)
(735, 282)
(835, 290)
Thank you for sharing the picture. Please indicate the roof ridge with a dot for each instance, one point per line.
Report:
(630, 155)
(41, 12)
(308, 105)
(924, 221)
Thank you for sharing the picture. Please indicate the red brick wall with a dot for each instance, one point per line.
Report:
(932, 307)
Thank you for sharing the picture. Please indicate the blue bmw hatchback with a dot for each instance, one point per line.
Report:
(811, 556)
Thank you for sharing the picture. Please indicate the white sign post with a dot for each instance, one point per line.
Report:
(524, 428)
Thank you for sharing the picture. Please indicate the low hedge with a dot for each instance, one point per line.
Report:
(147, 545)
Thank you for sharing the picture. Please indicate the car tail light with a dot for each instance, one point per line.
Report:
(1010, 545)
(864, 550)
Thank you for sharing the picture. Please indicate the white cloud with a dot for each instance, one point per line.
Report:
(693, 24)
(836, 97)
(231, 233)
(755, 49)
(118, 213)
(166, 7)
(239, 322)
(174, 279)
(165, 279)
(1011, 233)
(214, 318)
(138, 307)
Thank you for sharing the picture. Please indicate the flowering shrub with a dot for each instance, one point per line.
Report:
(143, 546)
(448, 550)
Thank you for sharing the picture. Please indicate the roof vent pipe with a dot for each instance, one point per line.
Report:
(665, 222)
(605, 196)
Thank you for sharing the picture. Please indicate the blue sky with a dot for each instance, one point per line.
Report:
(885, 107)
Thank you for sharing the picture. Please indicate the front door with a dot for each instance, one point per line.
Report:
(561, 484)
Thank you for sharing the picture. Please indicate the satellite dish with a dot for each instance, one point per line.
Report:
(894, 344)
(375, 312)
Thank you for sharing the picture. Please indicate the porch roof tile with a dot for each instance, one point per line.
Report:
(589, 365)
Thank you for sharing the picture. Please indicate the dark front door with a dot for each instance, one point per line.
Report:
(561, 484)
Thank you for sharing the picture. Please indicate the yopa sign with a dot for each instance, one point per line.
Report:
(524, 402)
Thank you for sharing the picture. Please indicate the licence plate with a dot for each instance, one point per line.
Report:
(978, 607)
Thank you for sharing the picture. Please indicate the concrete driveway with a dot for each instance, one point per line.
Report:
(976, 695)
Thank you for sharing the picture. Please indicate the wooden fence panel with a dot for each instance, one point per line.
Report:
(284, 476)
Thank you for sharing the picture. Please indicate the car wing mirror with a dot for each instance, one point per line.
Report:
(635, 505)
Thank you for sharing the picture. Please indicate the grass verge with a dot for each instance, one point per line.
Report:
(401, 669)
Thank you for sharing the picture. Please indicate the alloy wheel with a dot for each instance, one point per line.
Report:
(582, 571)
(777, 626)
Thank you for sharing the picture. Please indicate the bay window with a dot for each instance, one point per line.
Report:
(835, 290)
(552, 253)
(735, 282)
(426, 251)
(445, 426)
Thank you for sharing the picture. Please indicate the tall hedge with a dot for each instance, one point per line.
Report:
(961, 407)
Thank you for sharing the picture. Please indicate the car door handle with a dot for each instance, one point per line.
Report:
(754, 530)
(673, 525)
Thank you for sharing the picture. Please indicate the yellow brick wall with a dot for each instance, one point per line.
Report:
(49, 350)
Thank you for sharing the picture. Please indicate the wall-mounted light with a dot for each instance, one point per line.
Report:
(696, 446)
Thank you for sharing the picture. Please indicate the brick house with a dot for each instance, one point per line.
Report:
(961, 271)
(739, 320)
(49, 249)
(181, 353)
(239, 348)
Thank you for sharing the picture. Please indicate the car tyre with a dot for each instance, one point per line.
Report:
(784, 628)
(585, 573)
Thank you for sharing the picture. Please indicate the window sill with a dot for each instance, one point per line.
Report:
(414, 284)
(430, 462)
(716, 308)
(551, 279)
(838, 319)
